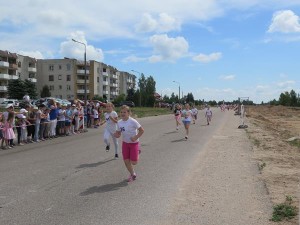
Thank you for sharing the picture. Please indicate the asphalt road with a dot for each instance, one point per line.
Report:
(72, 180)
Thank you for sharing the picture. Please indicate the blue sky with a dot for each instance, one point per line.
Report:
(217, 50)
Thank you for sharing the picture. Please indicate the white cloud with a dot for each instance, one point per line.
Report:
(284, 21)
(286, 84)
(72, 49)
(133, 58)
(33, 54)
(208, 58)
(168, 49)
(228, 77)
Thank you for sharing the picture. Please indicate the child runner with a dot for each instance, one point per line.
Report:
(194, 114)
(132, 131)
(9, 133)
(186, 119)
(111, 120)
(208, 115)
(177, 114)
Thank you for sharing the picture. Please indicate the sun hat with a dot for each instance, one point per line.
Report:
(23, 111)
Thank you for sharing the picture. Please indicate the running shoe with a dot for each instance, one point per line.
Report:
(116, 156)
(134, 176)
(130, 178)
(107, 148)
(186, 137)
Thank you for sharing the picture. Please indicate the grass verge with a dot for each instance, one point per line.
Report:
(284, 210)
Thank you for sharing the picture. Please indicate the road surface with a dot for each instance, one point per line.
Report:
(209, 179)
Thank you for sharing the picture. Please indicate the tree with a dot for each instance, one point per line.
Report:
(190, 98)
(119, 98)
(294, 99)
(130, 95)
(45, 92)
(285, 99)
(30, 89)
(16, 89)
(149, 92)
(98, 98)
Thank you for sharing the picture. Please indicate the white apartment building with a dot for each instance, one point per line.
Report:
(8, 71)
(26, 68)
(66, 79)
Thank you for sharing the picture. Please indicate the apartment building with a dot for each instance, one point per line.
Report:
(8, 70)
(66, 79)
(59, 75)
(26, 68)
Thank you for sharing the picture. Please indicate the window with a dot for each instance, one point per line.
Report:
(59, 67)
(51, 67)
(59, 77)
(51, 87)
(104, 70)
(19, 64)
(69, 87)
(68, 67)
(98, 70)
(59, 87)
(51, 77)
(97, 79)
(68, 77)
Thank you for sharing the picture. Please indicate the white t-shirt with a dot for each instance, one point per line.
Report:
(61, 115)
(129, 128)
(186, 115)
(111, 125)
(96, 114)
(208, 112)
(194, 111)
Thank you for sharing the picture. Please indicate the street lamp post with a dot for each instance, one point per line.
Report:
(85, 91)
(179, 90)
(140, 97)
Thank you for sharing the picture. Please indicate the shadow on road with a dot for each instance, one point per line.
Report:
(94, 164)
(179, 140)
(104, 188)
(172, 132)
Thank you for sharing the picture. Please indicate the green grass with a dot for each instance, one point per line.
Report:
(284, 210)
(295, 143)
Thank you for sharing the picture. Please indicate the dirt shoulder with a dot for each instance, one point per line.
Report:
(269, 129)
(225, 185)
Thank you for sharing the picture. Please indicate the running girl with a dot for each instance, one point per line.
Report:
(208, 115)
(111, 120)
(186, 119)
(177, 114)
(194, 114)
(131, 131)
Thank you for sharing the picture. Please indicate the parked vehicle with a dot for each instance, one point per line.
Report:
(128, 103)
(15, 103)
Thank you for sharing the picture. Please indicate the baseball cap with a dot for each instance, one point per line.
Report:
(23, 111)
(9, 105)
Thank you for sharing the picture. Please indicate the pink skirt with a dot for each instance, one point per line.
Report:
(9, 134)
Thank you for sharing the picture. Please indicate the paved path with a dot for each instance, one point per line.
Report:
(209, 179)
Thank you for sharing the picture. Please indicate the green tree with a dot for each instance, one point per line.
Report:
(190, 98)
(99, 98)
(285, 99)
(130, 95)
(30, 89)
(45, 92)
(16, 89)
(119, 98)
(294, 99)
(149, 92)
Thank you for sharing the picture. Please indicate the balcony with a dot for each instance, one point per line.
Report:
(113, 93)
(81, 91)
(3, 88)
(82, 72)
(105, 74)
(32, 69)
(13, 77)
(114, 85)
(105, 92)
(4, 76)
(13, 66)
(114, 76)
(105, 83)
(4, 64)
(33, 80)
(80, 81)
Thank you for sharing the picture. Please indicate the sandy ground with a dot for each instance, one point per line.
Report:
(228, 185)
(269, 129)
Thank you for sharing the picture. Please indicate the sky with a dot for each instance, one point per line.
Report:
(214, 49)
